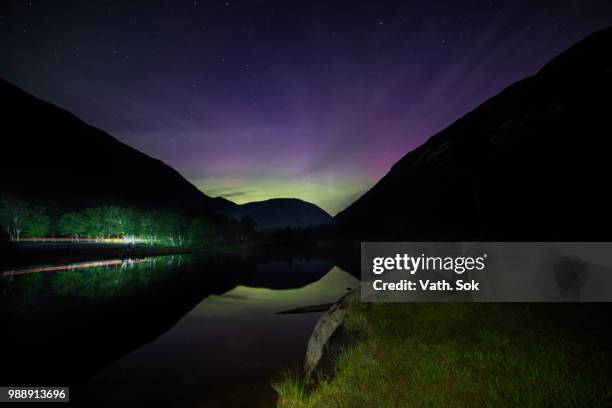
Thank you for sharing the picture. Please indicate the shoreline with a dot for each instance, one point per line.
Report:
(13, 256)
(538, 353)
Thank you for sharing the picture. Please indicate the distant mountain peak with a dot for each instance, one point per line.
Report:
(57, 158)
(281, 212)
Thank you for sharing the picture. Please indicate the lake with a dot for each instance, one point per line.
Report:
(189, 330)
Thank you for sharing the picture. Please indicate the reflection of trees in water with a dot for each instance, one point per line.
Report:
(115, 280)
(76, 311)
(172, 273)
(98, 282)
(20, 290)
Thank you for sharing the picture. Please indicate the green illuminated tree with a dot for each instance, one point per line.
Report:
(13, 216)
(37, 223)
(173, 227)
(95, 224)
(19, 218)
(148, 227)
(121, 222)
(73, 224)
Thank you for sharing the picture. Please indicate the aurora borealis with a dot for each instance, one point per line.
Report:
(252, 100)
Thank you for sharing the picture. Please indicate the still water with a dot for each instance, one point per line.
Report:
(183, 331)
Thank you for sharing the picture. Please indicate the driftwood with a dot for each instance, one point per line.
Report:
(308, 309)
(325, 327)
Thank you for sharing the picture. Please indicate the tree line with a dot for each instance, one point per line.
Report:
(20, 219)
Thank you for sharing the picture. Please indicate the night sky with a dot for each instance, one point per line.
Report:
(258, 99)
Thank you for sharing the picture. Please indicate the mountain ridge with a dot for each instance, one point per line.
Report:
(76, 164)
(281, 212)
(73, 165)
(517, 140)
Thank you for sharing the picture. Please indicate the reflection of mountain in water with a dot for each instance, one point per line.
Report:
(325, 290)
(287, 275)
(63, 327)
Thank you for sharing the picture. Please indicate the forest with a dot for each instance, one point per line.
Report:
(21, 220)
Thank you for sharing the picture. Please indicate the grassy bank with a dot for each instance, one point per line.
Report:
(466, 355)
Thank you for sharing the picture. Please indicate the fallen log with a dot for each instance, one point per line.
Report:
(325, 327)
(308, 309)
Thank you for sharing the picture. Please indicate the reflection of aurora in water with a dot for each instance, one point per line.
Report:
(115, 307)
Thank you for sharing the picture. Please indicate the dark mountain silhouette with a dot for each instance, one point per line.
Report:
(532, 163)
(280, 213)
(49, 155)
(52, 157)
